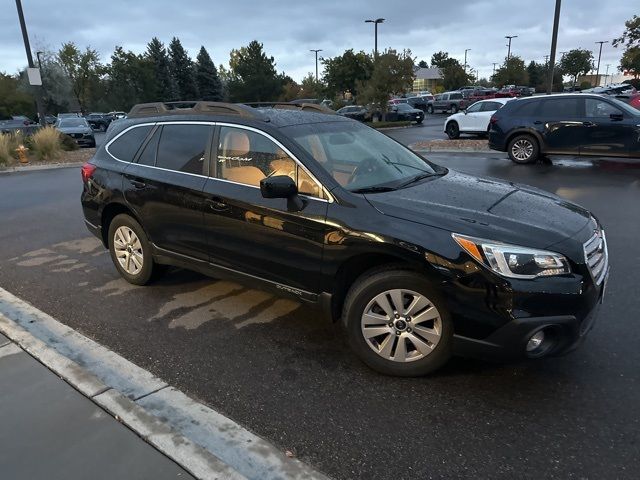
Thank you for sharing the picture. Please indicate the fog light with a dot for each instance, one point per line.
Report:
(535, 341)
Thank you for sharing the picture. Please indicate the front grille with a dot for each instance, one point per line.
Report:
(596, 256)
(75, 135)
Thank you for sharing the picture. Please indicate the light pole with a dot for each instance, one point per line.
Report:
(27, 47)
(494, 69)
(606, 75)
(375, 23)
(554, 42)
(598, 69)
(509, 37)
(465, 59)
(316, 52)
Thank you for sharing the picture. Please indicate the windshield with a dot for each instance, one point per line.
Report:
(404, 106)
(359, 157)
(625, 107)
(72, 123)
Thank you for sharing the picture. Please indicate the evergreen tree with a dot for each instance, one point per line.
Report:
(253, 76)
(209, 84)
(182, 71)
(164, 86)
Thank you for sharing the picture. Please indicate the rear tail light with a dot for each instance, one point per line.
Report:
(493, 120)
(87, 171)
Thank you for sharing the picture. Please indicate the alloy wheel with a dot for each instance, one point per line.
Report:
(128, 250)
(401, 325)
(522, 149)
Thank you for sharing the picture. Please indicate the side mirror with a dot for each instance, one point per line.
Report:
(616, 117)
(278, 186)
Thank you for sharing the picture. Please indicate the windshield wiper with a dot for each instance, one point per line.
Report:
(417, 178)
(373, 189)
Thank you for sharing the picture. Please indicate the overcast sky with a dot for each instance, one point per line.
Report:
(288, 29)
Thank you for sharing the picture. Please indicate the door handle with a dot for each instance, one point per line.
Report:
(137, 183)
(216, 204)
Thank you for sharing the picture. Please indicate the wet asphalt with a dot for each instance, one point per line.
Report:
(276, 368)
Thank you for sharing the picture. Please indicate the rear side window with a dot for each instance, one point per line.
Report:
(126, 145)
(455, 96)
(148, 155)
(557, 108)
(182, 148)
(491, 106)
(527, 109)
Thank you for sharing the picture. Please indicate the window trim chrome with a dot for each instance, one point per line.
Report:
(329, 199)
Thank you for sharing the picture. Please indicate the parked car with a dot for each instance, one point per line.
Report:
(396, 101)
(51, 119)
(508, 92)
(69, 114)
(447, 102)
(613, 89)
(404, 112)
(477, 95)
(20, 123)
(118, 115)
(418, 102)
(417, 261)
(426, 97)
(473, 120)
(565, 124)
(630, 99)
(356, 112)
(77, 128)
(99, 121)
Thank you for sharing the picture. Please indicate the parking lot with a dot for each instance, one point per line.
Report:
(277, 369)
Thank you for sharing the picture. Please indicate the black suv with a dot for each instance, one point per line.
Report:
(417, 261)
(99, 121)
(565, 124)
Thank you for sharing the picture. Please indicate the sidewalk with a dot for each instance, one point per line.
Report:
(50, 431)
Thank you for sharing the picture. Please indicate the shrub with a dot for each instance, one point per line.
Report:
(47, 144)
(5, 150)
(68, 143)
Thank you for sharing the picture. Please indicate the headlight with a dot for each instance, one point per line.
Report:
(513, 261)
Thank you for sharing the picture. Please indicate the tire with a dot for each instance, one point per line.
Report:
(103, 127)
(142, 268)
(419, 121)
(454, 109)
(523, 149)
(453, 130)
(423, 351)
(430, 109)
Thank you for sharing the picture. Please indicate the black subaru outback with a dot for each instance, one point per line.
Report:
(419, 262)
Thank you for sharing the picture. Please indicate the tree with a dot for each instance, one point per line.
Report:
(453, 74)
(512, 72)
(182, 70)
(423, 64)
(537, 74)
(164, 88)
(131, 79)
(83, 69)
(209, 85)
(392, 74)
(253, 76)
(310, 88)
(290, 91)
(630, 61)
(13, 100)
(577, 62)
(343, 73)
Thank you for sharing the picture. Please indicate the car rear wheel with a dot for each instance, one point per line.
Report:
(453, 130)
(131, 251)
(103, 127)
(523, 149)
(430, 109)
(454, 108)
(397, 323)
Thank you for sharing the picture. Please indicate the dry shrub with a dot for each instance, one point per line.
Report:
(46, 144)
(5, 150)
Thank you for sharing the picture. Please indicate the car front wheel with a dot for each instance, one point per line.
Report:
(523, 149)
(131, 251)
(454, 109)
(398, 324)
(430, 109)
(453, 130)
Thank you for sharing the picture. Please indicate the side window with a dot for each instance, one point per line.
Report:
(148, 155)
(182, 148)
(476, 107)
(247, 157)
(455, 96)
(527, 109)
(600, 108)
(126, 146)
(558, 108)
(491, 106)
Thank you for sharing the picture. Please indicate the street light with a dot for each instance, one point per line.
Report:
(598, 69)
(465, 59)
(509, 37)
(554, 43)
(316, 52)
(375, 22)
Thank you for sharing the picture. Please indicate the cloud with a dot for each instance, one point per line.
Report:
(289, 29)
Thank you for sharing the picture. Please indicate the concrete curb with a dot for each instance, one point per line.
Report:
(201, 440)
(35, 168)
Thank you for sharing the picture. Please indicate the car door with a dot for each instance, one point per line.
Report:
(441, 102)
(268, 238)
(559, 121)
(609, 131)
(487, 109)
(164, 186)
(469, 120)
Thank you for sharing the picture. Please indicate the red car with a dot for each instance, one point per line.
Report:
(508, 93)
(478, 95)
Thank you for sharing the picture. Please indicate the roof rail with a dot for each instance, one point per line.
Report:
(192, 108)
(305, 107)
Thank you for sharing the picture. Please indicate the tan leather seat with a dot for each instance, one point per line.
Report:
(236, 153)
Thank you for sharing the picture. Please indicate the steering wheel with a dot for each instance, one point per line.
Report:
(367, 166)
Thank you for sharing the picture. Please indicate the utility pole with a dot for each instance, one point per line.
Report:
(465, 59)
(316, 52)
(509, 37)
(375, 22)
(598, 69)
(27, 47)
(606, 75)
(554, 42)
(494, 69)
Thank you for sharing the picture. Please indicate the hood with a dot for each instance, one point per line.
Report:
(485, 208)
